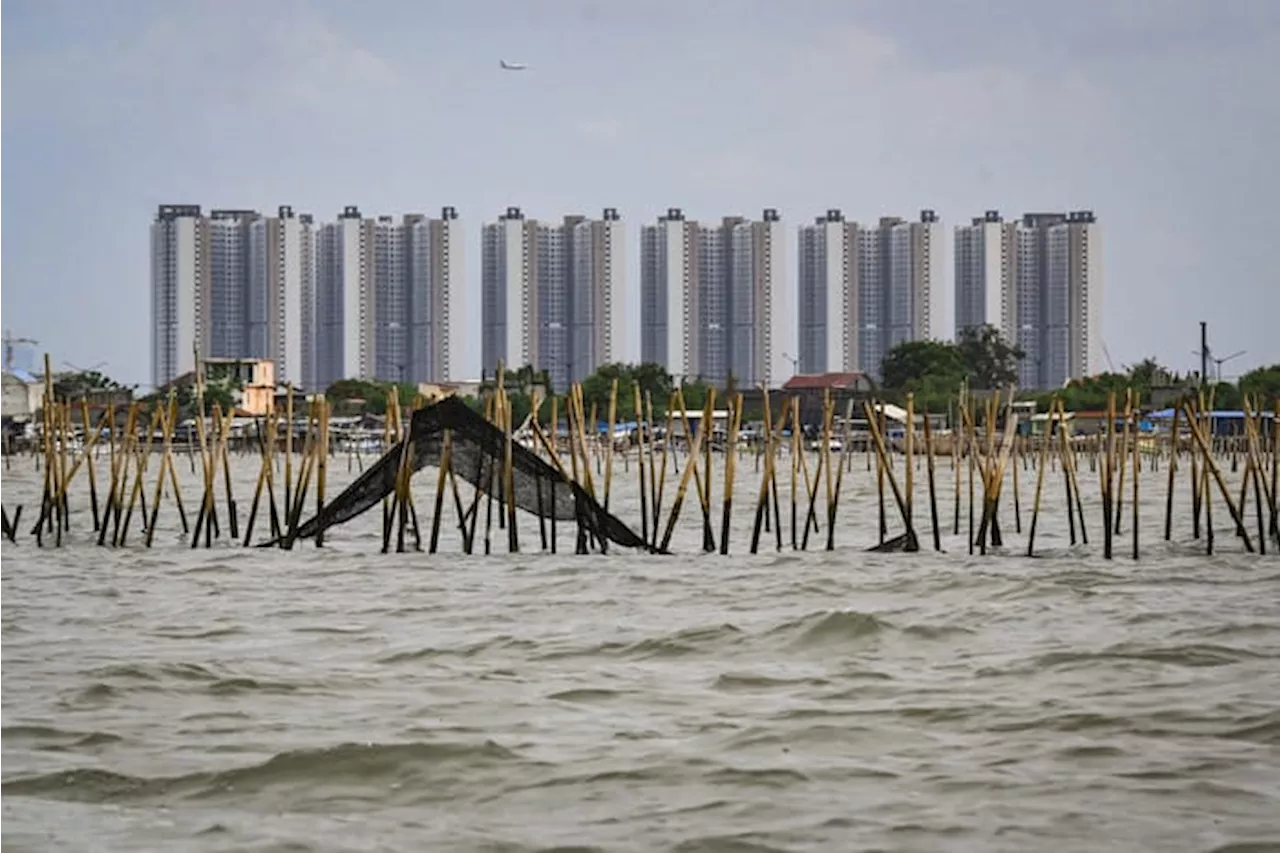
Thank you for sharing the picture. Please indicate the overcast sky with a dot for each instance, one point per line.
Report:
(1162, 116)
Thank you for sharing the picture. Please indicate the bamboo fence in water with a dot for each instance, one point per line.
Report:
(796, 506)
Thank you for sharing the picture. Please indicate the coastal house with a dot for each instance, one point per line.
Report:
(253, 379)
(811, 388)
(23, 394)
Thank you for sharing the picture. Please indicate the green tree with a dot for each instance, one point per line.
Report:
(651, 379)
(220, 394)
(351, 396)
(81, 383)
(909, 364)
(991, 361)
(1262, 383)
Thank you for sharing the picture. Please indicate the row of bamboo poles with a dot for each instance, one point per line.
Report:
(984, 459)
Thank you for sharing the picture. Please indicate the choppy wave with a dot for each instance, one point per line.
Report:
(366, 765)
(315, 699)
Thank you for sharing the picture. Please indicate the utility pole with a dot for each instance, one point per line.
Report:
(9, 341)
(1204, 352)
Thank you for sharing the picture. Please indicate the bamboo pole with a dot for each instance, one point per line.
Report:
(846, 445)
(933, 487)
(881, 465)
(775, 441)
(1122, 453)
(909, 450)
(1134, 414)
(321, 464)
(1108, 478)
(224, 443)
(446, 462)
(1173, 469)
(958, 446)
(612, 427)
(1019, 451)
(206, 506)
(299, 492)
(812, 486)
(64, 441)
(708, 537)
(762, 502)
(691, 463)
(642, 432)
(655, 484)
(1275, 470)
(263, 431)
(508, 477)
(968, 418)
(166, 452)
(115, 460)
(912, 543)
(1253, 467)
(661, 488)
(1044, 461)
(1222, 485)
(88, 458)
(142, 456)
(796, 460)
(731, 455)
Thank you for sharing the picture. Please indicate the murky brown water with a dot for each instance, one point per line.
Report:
(340, 699)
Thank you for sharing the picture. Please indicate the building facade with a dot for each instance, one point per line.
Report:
(1039, 281)
(230, 284)
(863, 290)
(716, 301)
(554, 295)
(280, 299)
(390, 299)
(986, 254)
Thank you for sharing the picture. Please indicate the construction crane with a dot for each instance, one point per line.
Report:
(9, 341)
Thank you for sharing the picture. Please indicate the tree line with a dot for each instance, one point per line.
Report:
(934, 371)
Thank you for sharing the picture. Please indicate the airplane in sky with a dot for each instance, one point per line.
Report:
(511, 66)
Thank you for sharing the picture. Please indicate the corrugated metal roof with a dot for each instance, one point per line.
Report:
(808, 381)
(23, 375)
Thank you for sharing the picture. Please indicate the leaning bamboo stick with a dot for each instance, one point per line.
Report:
(612, 427)
(912, 544)
(909, 450)
(690, 465)
(846, 447)
(508, 479)
(1044, 462)
(1123, 452)
(1136, 469)
(730, 459)
(321, 464)
(933, 486)
(762, 502)
(1198, 435)
(1173, 469)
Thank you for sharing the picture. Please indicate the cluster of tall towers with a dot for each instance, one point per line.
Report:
(389, 299)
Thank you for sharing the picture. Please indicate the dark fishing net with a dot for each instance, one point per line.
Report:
(477, 453)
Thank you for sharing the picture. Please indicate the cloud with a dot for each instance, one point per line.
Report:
(225, 56)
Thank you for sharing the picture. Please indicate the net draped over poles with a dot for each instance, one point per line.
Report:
(477, 451)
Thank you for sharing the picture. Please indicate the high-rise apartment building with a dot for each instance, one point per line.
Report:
(1039, 281)
(179, 291)
(280, 302)
(554, 296)
(232, 284)
(863, 290)
(986, 252)
(715, 300)
(390, 299)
